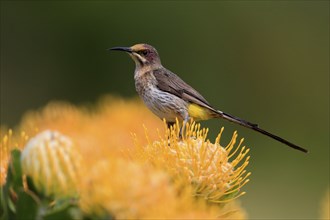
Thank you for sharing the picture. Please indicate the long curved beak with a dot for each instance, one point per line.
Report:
(126, 49)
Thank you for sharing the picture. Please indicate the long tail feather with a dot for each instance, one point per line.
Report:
(256, 128)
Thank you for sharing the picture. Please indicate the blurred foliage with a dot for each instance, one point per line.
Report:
(266, 61)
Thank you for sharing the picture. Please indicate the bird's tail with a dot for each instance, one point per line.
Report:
(256, 128)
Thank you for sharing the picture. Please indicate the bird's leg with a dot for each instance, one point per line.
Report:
(182, 130)
(170, 124)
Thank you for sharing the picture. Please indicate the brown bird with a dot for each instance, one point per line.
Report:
(169, 97)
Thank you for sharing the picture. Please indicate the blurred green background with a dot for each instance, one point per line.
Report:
(267, 62)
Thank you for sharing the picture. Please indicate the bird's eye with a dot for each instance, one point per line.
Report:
(144, 52)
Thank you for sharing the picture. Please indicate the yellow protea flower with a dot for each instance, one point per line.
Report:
(216, 173)
(107, 125)
(8, 142)
(123, 189)
(51, 161)
(158, 178)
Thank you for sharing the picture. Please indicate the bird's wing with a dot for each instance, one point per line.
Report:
(171, 83)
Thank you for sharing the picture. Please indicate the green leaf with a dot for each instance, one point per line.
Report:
(5, 198)
(32, 188)
(15, 170)
(26, 207)
(13, 184)
(69, 212)
(3, 205)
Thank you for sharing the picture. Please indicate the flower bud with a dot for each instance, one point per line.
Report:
(52, 163)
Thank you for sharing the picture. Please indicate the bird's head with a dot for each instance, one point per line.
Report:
(142, 54)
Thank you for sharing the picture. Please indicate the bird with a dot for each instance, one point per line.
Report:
(171, 98)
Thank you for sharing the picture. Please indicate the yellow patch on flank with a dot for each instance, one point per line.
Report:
(198, 112)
